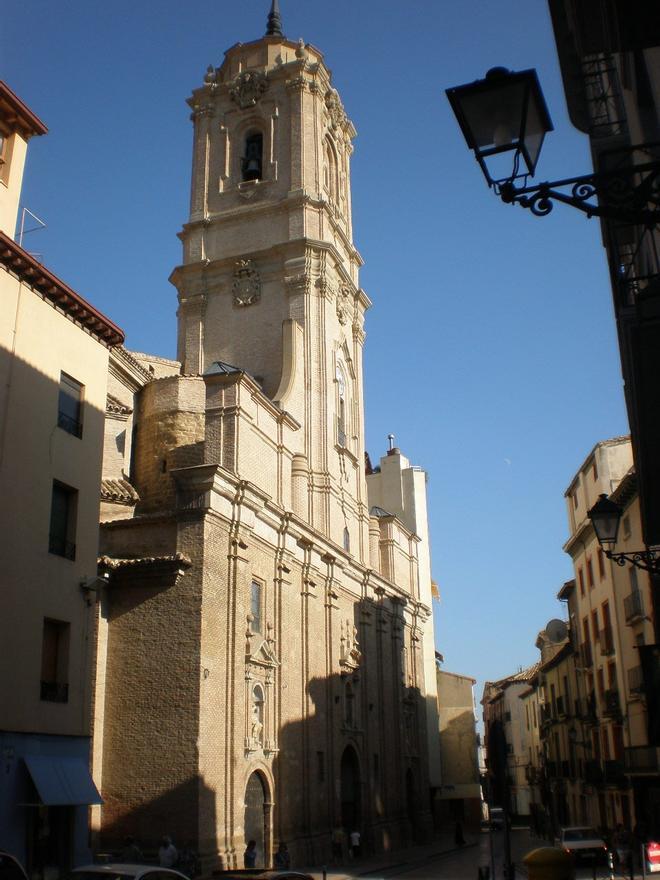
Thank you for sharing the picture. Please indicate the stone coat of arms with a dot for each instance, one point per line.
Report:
(247, 284)
(248, 87)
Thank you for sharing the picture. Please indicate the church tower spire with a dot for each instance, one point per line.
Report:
(274, 28)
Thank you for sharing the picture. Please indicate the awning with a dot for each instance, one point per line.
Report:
(62, 781)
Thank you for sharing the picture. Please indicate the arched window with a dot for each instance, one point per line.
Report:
(341, 406)
(255, 606)
(252, 160)
(347, 540)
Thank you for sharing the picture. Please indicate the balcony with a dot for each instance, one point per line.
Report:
(588, 710)
(615, 774)
(633, 607)
(532, 774)
(635, 682)
(611, 704)
(546, 714)
(593, 773)
(586, 657)
(641, 759)
(606, 641)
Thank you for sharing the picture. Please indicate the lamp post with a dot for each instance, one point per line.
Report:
(504, 116)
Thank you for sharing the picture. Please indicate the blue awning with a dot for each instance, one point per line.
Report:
(62, 781)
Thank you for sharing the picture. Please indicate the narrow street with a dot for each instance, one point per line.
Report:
(464, 864)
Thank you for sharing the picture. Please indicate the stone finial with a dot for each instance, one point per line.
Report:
(274, 27)
(301, 52)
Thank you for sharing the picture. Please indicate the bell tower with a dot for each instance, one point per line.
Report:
(269, 280)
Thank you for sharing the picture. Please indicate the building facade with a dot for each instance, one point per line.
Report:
(460, 795)
(267, 602)
(54, 349)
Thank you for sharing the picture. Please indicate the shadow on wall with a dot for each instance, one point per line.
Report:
(186, 813)
(357, 760)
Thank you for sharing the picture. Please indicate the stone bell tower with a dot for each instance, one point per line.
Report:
(269, 281)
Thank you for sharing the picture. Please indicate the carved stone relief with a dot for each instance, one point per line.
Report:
(247, 284)
(248, 87)
(349, 648)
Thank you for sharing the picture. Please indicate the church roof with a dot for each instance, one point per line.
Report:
(378, 511)
(222, 367)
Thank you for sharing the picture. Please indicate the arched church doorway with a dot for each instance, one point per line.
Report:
(256, 824)
(412, 805)
(351, 801)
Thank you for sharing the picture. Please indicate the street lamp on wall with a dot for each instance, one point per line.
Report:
(605, 517)
(505, 116)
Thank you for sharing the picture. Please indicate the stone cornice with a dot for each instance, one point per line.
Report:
(69, 303)
(123, 366)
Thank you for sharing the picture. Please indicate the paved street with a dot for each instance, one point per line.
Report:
(442, 861)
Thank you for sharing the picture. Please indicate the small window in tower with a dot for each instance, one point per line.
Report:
(255, 606)
(252, 161)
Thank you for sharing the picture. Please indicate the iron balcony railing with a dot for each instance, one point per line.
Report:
(586, 657)
(633, 607)
(615, 774)
(593, 772)
(611, 703)
(641, 759)
(606, 641)
(635, 680)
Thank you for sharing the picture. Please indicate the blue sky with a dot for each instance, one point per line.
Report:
(491, 350)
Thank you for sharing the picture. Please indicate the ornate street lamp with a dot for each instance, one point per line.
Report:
(503, 113)
(506, 113)
(605, 517)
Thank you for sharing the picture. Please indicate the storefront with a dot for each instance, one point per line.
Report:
(44, 802)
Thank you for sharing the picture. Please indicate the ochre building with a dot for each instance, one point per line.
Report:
(265, 644)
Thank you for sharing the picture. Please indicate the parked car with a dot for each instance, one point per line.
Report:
(582, 843)
(119, 871)
(11, 868)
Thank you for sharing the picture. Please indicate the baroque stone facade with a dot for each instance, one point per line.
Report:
(263, 640)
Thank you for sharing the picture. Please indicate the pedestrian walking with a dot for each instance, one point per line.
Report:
(282, 858)
(131, 854)
(167, 853)
(621, 841)
(250, 854)
(355, 844)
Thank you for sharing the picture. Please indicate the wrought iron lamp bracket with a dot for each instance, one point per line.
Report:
(629, 194)
(647, 560)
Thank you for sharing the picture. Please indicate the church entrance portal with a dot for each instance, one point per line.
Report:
(351, 806)
(257, 818)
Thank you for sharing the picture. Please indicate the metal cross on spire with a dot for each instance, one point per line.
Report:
(274, 28)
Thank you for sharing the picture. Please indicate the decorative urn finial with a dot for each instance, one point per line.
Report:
(274, 28)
